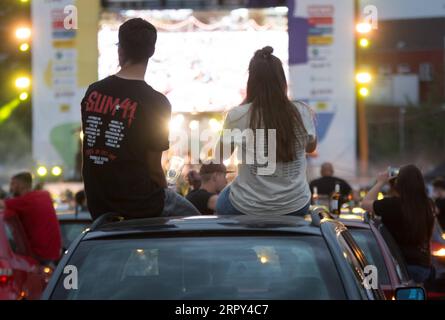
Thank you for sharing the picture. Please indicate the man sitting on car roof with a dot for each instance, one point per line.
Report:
(36, 212)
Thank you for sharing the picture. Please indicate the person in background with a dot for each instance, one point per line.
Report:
(409, 217)
(439, 196)
(194, 181)
(39, 186)
(125, 125)
(213, 177)
(80, 201)
(326, 183)
(280, 187)
(36, 212)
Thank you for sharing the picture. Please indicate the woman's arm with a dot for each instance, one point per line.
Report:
(312, 145)
(371, 196)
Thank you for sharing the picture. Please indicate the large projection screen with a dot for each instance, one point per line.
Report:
(201, 58)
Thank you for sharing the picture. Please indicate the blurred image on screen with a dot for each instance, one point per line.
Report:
(201, 58)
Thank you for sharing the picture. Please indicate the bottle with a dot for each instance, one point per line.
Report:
(315, 197)
(335, 200)
(174, 171)
(351, 202)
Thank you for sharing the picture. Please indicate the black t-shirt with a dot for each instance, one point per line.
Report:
(390, 209)
(200, 198)
(440, 204)
(122, 120)
(326, 186)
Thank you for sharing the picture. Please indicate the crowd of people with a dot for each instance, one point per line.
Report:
(128, 178)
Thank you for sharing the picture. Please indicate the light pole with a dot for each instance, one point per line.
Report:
(363, 79)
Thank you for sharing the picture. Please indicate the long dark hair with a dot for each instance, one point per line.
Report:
(417, 208)
(271, 107)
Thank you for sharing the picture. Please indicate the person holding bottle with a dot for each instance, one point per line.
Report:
(327, 183)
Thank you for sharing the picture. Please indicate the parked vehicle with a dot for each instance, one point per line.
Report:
(381, 250)
(386, 254)
(209, 257)
(21, 276)
(71, 225)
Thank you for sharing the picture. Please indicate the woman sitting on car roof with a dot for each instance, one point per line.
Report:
(277, 186)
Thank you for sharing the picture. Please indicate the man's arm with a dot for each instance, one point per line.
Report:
(10, 207)
(155, 168)
(157, 138)
(346, 188)
(211, 204)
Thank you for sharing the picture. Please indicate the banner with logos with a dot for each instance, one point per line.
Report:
(64, 63)
(321, 72)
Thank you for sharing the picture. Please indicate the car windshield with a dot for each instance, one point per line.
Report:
(204, 268)
(368, 243)
(70, 230)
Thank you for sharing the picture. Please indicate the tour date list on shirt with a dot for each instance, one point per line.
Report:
(98, 107)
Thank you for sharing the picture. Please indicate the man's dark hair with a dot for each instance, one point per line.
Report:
(24, 177)
(137, 40)
(439, 183)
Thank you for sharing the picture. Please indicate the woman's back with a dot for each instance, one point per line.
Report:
(416, 251)
(275, 187)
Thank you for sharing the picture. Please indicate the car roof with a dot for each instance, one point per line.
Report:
(203, 224)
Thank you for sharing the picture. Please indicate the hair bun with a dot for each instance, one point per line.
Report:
(268, 50)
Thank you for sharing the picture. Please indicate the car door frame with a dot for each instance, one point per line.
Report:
(349, 258)
(390, 264)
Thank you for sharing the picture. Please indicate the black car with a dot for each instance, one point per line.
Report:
(72, 224)
(209, 257)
